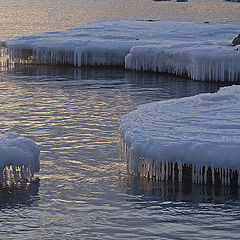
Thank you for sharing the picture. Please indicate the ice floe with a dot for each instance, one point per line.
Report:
(201, 51)
(19, 157)
(197, 136)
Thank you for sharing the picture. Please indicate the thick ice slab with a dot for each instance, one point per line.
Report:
(202, 131)
(19, 154)
(202, 51)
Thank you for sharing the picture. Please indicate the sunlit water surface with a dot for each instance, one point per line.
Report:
(82, 191)
(21, 17)
(73, 115)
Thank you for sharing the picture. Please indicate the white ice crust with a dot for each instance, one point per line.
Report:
(201, 51)
(203, 130)
(18, 151)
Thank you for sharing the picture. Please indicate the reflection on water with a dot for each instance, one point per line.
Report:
(170, 0)
(73, 116)
(27, 17)
(23, 194)
(181, 192)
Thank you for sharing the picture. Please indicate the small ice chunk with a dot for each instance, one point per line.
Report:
(18, 152)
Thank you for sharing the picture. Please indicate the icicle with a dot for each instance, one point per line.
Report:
(238, 178)
(169, 170)
(75, 64)
(142, 167)
(14, 173)
(150, 168)
(79, 59)
(213, 178)
(180, 172)
(153, 169)
(166, 174)
(205, 174)
(86, 58)
(201, 174)
(145, 168)
(196, 174)
(162, 171)
(22, 171)
(222, 176)
(173, 172)
(28, 171)
(225, 176)
(139, 167)
(228, 176)
(193, 175)
(1, 175)
(157, 170)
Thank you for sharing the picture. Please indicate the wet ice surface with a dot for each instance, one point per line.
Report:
(73, 115)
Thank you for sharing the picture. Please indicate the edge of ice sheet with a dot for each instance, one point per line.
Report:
(18, 151)
(198, 62)
(202, 131)
(201, 51)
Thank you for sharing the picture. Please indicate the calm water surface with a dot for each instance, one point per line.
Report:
(73, 114)
(21, 17)
(82, 191)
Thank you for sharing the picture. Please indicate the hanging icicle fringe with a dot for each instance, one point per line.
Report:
(178, 171)
(12, 175)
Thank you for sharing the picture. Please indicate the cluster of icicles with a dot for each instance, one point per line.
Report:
(12, 175)
(48, 56)
(195, 67)
(178, 171)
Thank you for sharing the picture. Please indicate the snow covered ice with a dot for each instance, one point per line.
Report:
(201, 51)
(199, 134)
(19, 157)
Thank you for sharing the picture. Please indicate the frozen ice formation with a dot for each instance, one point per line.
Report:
(196, 136)
(19, 157)
(201, 51)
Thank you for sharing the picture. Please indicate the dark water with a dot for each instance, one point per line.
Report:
(83, 193)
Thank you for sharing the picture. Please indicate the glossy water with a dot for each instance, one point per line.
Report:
(82, 191)
(73, 114)
(21, 17)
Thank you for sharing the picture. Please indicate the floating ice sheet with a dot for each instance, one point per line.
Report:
(201, 51)
(200, 132)
(18, 155)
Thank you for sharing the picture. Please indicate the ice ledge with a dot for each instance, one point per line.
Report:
(200, 134)
(196, 61)
(201, 51)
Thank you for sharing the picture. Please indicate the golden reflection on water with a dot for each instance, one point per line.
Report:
(75, 123)
(28, 16)
(67, 201)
